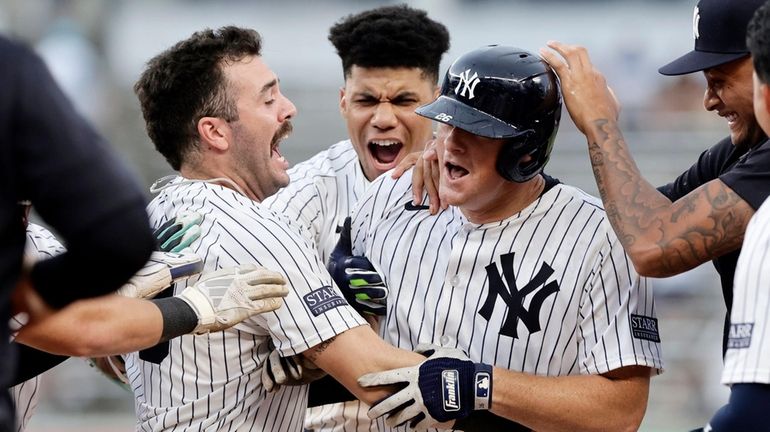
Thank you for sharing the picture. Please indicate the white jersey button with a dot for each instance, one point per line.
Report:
(445, 340)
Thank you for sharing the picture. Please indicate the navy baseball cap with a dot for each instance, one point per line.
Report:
(719, 30)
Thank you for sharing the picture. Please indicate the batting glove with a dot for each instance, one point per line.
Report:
(162, 270)
(445, 387)
(226, 297)
(179, 232)
(295, 370)
(357, 279)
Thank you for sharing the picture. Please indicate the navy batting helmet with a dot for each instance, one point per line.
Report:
(506, 93)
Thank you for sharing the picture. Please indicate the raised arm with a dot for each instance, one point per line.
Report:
(661, 237)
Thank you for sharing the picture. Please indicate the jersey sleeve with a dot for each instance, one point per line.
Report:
(750, 177)
(707, 168)
(314, 310)
(618, 326)
(748, 346)
(301, 201)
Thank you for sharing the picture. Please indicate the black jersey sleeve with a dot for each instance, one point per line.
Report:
(76, 183)
(750, 177)
(710, 163)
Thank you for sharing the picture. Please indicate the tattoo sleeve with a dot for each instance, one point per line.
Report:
(662, 238)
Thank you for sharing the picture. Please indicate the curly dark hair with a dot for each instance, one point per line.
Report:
(758, 41)
(390, 36)
(187, 82)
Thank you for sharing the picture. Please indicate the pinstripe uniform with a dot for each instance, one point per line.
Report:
(576, 306)
(41, 244)
(748, 346)
(211, 382)
(322, 192)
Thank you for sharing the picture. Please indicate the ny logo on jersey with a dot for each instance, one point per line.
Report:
(514, 297)
(467, 82)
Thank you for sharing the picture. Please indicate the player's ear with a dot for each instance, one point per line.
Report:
(764, 89)
(343, 101)
(214, 132)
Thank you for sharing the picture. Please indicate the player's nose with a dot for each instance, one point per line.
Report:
(384, 117)
(456, 140)
(289, 110)
(710, 99)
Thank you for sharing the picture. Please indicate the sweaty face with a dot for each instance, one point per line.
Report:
(263, 121)
(378, 106)
(729, 92)
(469, 177)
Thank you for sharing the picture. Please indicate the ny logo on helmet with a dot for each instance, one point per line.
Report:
(467, 82)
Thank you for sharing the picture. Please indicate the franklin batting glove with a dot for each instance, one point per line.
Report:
(179, 232)
(161, 271)
(356, 278)
(445, 387)
(226, 297)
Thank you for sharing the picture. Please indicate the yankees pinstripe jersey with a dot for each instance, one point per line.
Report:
(41, 244)
(322, 193)
(211, 382)
(748, 345)
(547, 291)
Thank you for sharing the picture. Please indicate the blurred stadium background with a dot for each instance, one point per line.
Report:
(96, 49)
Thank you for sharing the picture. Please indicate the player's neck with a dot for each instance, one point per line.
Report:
(221, 177)
(514, 198)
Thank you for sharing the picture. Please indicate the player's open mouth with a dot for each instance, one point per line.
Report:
(455, 172)
(279, 136)
(732, 118)
(385, 151)
(275, 150)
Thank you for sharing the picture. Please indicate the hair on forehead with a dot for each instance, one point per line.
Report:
(390, 36)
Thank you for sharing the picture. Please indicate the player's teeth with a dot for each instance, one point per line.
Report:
(384, 143)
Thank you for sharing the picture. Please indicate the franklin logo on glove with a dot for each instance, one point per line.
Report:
(449, 379)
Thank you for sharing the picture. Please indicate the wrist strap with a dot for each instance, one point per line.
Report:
(482, 387)
(178, 317)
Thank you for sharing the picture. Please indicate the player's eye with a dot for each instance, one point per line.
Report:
(404, 101)
(366, 101)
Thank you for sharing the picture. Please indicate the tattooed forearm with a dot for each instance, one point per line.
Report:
(662, 238)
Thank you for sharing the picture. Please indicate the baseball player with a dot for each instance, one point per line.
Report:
(521, 272)
(390, 58)
(214, 109)
(747, 361)
(702, 215)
